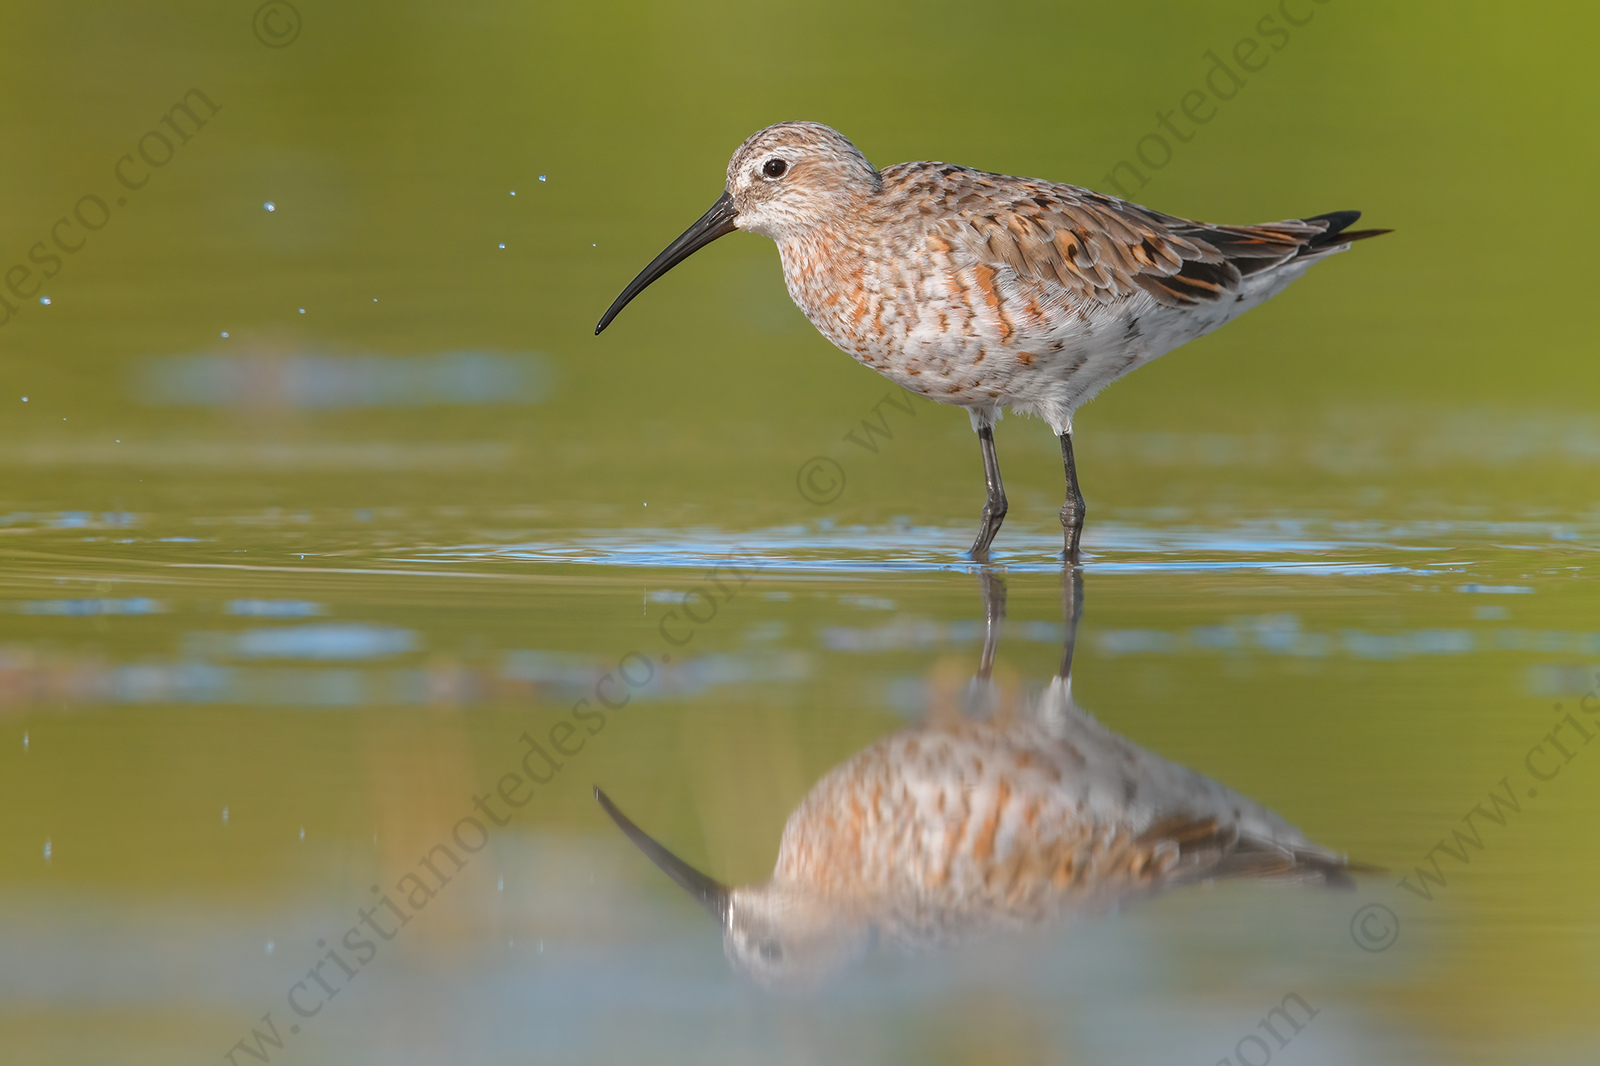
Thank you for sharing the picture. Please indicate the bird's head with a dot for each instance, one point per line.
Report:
(788, 938)
(783, 181)
(782, 936)
(795, 176)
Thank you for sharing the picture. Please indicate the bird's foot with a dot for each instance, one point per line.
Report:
(1072, 513)
(988, 529)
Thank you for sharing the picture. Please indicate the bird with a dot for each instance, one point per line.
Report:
(991, 292)
(984, 819)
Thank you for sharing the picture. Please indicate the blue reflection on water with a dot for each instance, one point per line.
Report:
(333, 640)
(569, 674)
(275, 608)
(72, 519)
(521, 678)
(863, 549)
(308, 381)
(1282, 635)
(132, 605)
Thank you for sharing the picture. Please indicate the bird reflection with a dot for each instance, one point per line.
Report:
(997, 816)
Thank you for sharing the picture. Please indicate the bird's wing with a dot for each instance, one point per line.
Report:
(1079, 246)
(1205, 849)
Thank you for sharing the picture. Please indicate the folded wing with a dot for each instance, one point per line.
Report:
(1083, 247)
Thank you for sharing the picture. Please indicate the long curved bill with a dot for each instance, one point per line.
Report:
(717, 222)
(712, 895)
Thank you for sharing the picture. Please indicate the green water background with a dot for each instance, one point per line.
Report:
(1423, 406)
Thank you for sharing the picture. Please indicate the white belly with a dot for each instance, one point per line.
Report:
(1124, 338)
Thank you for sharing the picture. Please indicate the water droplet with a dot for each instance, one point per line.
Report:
(224, 816)
(224, 333)
(47, 851)
(24, 399)
(45, 300)
(270, 206)
(502, 244)
(302, 310)
(541, 177)
(513, 192)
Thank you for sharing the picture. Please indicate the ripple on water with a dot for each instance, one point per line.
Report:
(1297, 547)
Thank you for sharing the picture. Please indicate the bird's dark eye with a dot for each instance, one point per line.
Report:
(774, 168)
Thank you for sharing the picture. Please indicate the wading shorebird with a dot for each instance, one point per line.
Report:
(987, 291)
(986, 820)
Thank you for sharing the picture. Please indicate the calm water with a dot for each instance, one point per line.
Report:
(319, 495)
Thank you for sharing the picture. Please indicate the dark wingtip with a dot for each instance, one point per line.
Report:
(1338, 222)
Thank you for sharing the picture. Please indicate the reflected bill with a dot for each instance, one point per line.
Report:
(986, 817)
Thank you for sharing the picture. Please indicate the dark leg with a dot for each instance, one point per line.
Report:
(1073, 510)
(994, 615)
(1071, 611)
(994, 509)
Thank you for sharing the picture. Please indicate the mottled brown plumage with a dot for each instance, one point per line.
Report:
(987, 818)
(987, 291)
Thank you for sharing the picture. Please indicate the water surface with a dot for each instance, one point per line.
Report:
(310, 514)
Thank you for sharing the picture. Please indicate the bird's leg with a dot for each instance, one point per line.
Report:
(982, 697)
(1073, 510)
(994, 508)
(994, 615)
(1055, 705)
(1071, 611)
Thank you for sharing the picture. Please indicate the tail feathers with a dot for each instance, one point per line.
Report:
(1210, 851)
(1260, 860)
(1358, 235)
(1336, 232)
